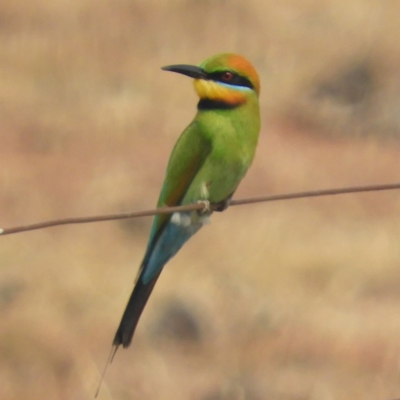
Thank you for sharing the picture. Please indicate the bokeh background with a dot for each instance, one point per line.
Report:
(291, 300)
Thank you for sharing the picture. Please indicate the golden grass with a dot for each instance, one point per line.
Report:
(294, 300)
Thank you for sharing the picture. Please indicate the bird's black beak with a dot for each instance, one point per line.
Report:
(188, 70)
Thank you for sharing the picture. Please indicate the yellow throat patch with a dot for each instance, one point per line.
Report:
(208, 89)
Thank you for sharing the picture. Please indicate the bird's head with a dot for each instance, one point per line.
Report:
(224, 78)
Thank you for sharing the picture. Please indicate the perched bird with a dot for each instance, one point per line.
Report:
(208, 162)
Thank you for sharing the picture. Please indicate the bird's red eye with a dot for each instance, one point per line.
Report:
(227, 76)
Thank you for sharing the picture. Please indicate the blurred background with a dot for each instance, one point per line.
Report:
(291, 300)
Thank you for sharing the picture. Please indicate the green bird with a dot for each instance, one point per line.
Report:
(209, 160)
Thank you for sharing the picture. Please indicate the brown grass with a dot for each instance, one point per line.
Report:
(293, 300)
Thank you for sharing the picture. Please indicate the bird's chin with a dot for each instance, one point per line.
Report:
(214, 91)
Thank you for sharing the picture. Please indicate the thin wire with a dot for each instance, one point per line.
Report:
(201, 206)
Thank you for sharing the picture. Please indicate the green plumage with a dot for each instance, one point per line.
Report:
(215, 150)
(209, 160)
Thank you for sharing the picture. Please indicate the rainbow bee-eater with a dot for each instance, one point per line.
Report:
(209, 160)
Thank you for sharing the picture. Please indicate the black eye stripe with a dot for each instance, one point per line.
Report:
(236, 80)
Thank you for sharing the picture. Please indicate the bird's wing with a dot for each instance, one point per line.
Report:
(187, 157)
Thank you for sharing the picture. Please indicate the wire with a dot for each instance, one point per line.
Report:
(200, 206)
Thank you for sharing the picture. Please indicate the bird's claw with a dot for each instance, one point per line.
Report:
(223, 205)
(206, 207)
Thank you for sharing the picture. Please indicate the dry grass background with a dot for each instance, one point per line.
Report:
(294, 300)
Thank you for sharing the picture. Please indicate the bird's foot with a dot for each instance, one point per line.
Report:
(206, 207)
(223, 205)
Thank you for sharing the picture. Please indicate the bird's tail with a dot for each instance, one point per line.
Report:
(130, 318)
(133, 311)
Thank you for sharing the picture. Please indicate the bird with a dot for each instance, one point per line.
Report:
(206, 165)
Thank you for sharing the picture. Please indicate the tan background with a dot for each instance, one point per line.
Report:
(292, 300)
